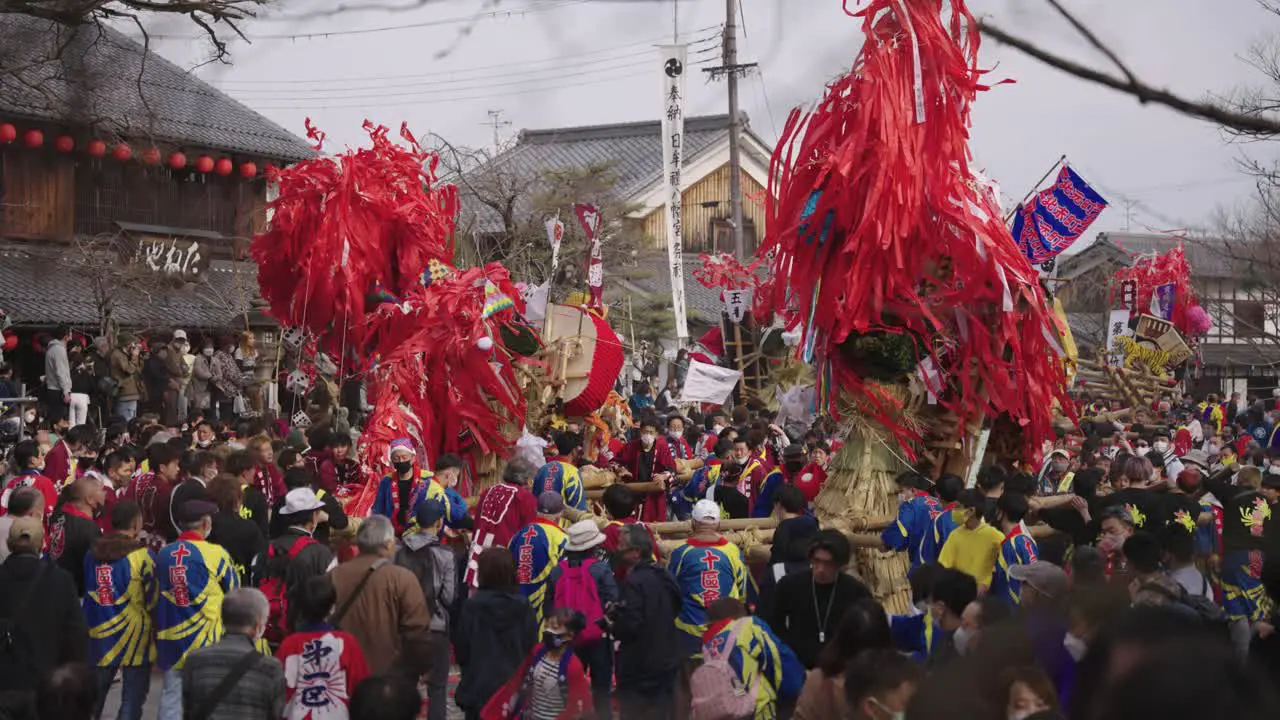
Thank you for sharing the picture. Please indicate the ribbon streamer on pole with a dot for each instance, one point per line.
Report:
(589, 219)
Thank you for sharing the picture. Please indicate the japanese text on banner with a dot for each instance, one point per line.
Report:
(673, 71)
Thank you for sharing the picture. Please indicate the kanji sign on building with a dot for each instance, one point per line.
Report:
(174, 257)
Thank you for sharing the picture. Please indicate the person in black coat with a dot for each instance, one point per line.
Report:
(495, 631)
(41, 624)
(303, 512)
(807, 606)
(72, 529)
(643, 622)
(335, 516)
(238, 535)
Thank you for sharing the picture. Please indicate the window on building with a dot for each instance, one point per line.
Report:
(1250, 318)
(722, 236)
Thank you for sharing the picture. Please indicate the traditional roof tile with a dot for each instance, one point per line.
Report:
(107, 80)
(35, 289)
(633, 151)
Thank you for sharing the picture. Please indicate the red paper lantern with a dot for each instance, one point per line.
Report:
(33, 138)
(248, 170)
(204, 164)
(122, 152)
(223, 166)
(177, 161)
(151, 156)
(96, 148)
(64, 143)
(8, 133)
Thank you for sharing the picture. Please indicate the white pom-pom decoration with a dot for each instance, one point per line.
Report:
(484, 344)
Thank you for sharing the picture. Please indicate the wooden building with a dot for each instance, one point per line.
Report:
(633, 153)
(128, 187)
(1242, 351)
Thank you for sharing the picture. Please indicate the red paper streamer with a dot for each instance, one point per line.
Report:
(1150, 272)
(342, 223)
(876, 222)
(437, 371)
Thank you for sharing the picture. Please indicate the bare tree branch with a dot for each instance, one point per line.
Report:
(209, 15)
(1093, 40)
(1143, 92)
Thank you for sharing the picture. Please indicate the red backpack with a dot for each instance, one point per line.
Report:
(576, 590)
(274, 588)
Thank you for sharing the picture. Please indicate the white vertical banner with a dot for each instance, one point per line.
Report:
(673, 71)
(1117, 326)
(555, 233)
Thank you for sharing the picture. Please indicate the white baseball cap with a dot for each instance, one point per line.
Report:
(706, 511)
(300, 500)
(179, 334)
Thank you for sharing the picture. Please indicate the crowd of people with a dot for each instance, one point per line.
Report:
(217, 559)
(78, 379)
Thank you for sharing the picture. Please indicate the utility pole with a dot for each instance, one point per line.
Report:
(731, 70)
(496, 122)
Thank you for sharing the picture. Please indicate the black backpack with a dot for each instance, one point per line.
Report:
(422, 563)
(1206, 610)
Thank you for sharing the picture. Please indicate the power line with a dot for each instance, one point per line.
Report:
(392, 28)
(322, 104)
(321, 95)
(500, 78)
(575, 57)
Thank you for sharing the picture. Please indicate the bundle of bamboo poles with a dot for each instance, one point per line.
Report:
(1134, 386)
(860, 495)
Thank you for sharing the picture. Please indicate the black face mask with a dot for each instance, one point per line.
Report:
(793, 465)
(403, 466)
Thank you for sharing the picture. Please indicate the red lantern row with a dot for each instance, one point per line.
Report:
(121, 151)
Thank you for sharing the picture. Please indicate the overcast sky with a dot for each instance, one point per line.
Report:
(555, 63)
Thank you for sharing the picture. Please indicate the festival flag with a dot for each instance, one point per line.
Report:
(589, 219)
(555, 234)
(1056, 217)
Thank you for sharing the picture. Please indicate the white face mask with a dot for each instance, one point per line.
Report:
(647, 439)
(1160, 446)
(961, 638)
(207, 352)
(1075, 647)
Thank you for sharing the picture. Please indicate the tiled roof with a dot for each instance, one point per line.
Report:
(36, 289)
(1208, 257)
(1242, 354)
(701, 303)
(105, 79)
(1088, 329)
(633, 151)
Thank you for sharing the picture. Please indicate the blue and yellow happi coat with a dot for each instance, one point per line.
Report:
(913, 531)
(387, 501)
(119, 598)
(563, 478)
(1018, 548)
(760, 660)
(536, 549)
(192, 577)
(705, 572)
